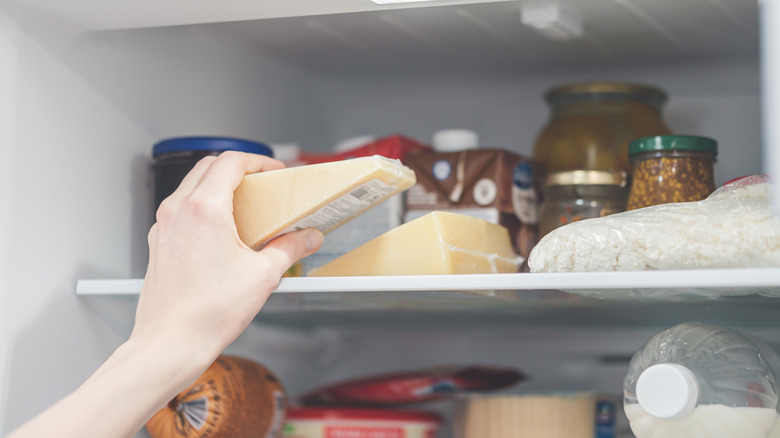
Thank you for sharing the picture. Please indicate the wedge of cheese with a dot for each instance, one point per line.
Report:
(437, 243)
(325, 196)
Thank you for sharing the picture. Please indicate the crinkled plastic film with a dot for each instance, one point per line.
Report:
(733, 227)
(739, 183)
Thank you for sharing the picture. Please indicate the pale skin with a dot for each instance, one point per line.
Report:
(202, 288)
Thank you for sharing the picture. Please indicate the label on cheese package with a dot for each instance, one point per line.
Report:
(327, 195)
(349, 205)
(437, 243)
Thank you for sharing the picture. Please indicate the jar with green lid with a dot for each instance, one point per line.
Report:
(671, 168)
(591, 124)
(581, 194)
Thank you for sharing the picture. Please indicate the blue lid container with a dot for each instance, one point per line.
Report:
(173, 158)
(208, 145)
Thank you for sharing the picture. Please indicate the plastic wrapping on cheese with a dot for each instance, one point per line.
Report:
(436, 243)
(733, 227)
(323, 196)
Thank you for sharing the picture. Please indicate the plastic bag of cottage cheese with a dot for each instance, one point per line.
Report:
(733, 227)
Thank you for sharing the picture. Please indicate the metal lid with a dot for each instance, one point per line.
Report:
(587, 177)
(605, 91)
(215, 144)
(673, 143)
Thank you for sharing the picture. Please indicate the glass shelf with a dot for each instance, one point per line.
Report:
(741, 297)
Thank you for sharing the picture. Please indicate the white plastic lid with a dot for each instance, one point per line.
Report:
(453, 140)
(667, 390)
(354, 142)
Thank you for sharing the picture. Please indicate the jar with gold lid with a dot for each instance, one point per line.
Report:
(591, 124)
(671, 168)
(581, 194)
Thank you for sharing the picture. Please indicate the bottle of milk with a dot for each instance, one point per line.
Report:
(700, 380)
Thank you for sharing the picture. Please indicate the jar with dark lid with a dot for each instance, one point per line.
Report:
(591, 124)
(173, 158)
(581, 194)
(672, 168)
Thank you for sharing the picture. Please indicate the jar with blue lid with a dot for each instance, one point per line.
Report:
(173, 158)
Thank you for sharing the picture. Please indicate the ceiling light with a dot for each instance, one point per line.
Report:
(552, 21)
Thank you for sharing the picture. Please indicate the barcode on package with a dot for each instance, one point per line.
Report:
(359, 193)
(345, 207)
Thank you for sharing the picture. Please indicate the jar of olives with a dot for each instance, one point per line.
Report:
(671, 168)
(591, 124)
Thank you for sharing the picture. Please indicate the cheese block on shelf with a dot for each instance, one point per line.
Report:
(324, 196)
(437, 243)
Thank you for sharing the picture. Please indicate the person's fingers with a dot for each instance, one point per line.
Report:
(286, 250)
(192, 177)
(228, 170)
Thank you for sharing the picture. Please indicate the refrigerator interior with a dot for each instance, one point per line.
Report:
(89, 88)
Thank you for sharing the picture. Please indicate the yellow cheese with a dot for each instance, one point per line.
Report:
(325, 196)
(437, 243)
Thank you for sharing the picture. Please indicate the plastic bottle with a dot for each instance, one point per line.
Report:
(700, 380)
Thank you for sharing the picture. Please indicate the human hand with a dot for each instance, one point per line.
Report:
(203, 285)
(202, 288)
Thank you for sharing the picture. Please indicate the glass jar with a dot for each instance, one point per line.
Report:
(580, 194)
(173, 158)
(672, 168)
(591, 124)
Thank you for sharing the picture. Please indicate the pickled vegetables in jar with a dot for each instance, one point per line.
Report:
(592, 123)
(574, 195)
(671, 168)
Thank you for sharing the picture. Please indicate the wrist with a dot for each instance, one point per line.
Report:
(175, 356)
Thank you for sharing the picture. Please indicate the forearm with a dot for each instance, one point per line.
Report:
(137, 380)
(202, 289)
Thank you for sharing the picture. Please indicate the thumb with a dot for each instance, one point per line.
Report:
(286, 250)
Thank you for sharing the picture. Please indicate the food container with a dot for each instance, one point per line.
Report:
(414, 386)
(173, 158)
(591, 124)
(580, 194)
(547, 415)
(359, 422)
(492, 184)
(672, 168)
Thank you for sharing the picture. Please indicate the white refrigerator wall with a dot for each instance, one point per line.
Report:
(83, 110)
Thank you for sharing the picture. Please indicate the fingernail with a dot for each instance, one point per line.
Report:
(313, 240)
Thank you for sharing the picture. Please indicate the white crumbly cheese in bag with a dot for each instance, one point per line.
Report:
(734, 227)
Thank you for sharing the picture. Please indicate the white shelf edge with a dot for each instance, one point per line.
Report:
(131, 286)
(737, 278)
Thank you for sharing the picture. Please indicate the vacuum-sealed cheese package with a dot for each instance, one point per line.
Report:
(325, 196)
(438, 243)
(733, 227)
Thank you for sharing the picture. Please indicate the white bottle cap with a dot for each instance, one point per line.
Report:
(286, 152)
(453, 140)
(667, 390)
(354, 142)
